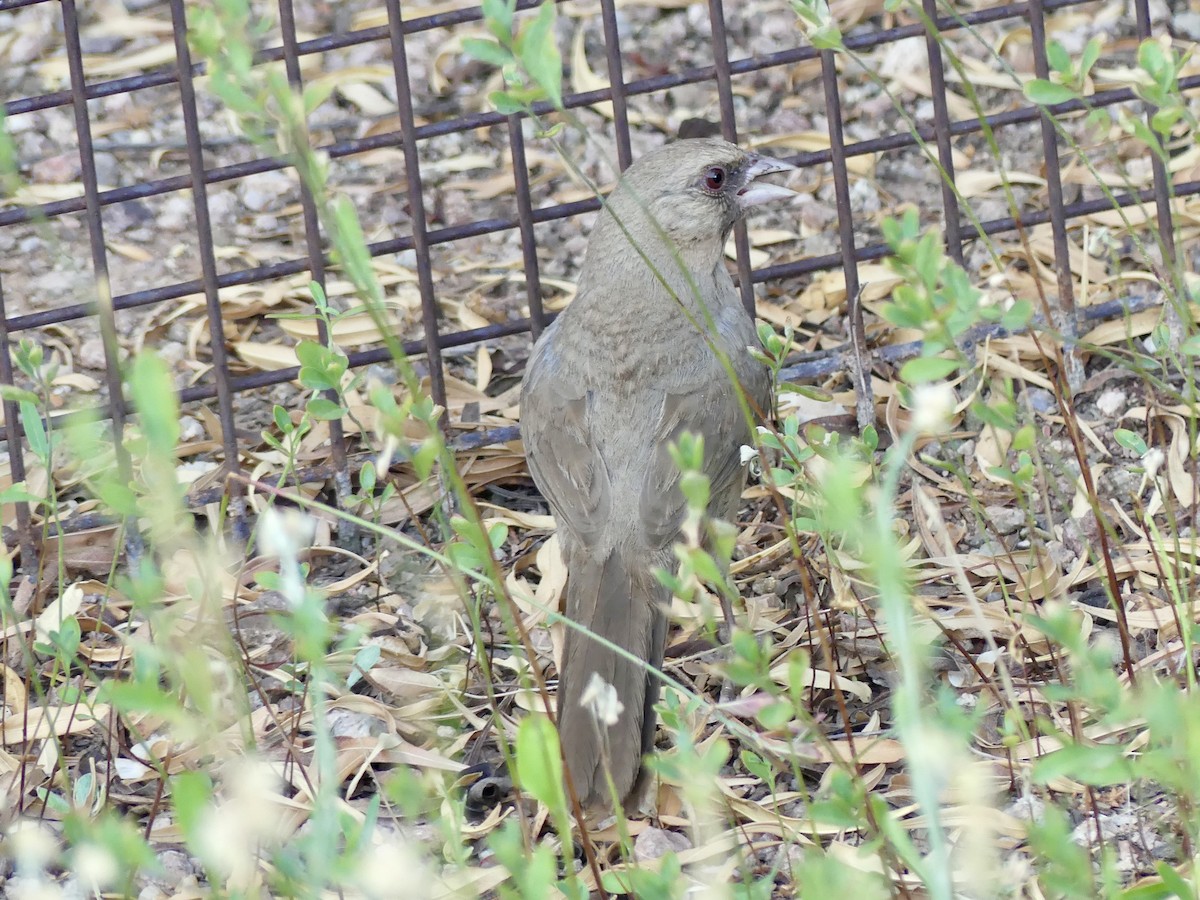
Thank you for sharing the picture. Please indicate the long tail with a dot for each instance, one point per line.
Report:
(618, 598)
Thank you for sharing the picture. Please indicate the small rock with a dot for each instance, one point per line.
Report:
(101, 43)
(1029, 808)
(59, 169)
(655, 842)
(992, 548)
(177, 214)
(864, 197)
(1079, 535)
(1005, 519)
(1041, 400)
(127, 216)
(108, 170)
(266, 191)
(53, 287)
(1111, 402)
(1063, 558)
(172, 352)
(906, 57)
(1185, 25)
(190, 429)
(91, 354)
(176, 866)
(27, 46)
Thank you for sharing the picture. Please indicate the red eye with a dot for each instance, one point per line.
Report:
(714, 178)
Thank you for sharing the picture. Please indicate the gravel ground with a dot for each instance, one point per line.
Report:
(256, 220)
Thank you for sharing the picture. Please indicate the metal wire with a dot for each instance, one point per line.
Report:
(223, 386)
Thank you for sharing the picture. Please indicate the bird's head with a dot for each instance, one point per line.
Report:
(695, 190)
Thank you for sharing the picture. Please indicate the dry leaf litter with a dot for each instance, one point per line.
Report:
(977, 572)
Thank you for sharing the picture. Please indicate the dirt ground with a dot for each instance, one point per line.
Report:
(46, 265)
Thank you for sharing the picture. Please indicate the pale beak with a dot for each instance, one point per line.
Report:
(754, 194)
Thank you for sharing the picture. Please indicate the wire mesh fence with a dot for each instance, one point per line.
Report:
(89, 269)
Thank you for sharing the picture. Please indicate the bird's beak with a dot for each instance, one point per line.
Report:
(754, 194)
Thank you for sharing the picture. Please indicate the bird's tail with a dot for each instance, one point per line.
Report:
(617, 597)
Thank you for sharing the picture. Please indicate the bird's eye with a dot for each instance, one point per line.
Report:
(714, 178)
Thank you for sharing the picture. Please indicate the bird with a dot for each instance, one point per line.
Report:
(633, 362)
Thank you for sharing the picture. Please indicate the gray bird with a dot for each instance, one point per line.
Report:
(628, 367)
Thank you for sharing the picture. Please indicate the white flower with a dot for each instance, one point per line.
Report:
(95, 866)
(747, 453)
(601, 698)
(932, 407)
(1153, 461)
(32, 845)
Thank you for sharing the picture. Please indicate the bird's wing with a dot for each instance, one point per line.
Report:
(563, 452)
(713, 412)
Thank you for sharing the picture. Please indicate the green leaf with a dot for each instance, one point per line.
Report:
(310, 353)
(927, 368)
(902, 317)
(506, 102)
(539, 763)
(17, 395)
(775, 715)
(1152, 59)
(66, 638)
(317, 93)
(366, 477)
(688, 452)
(364, 659)
(1130, 440)
(1058, 57)
(487, 51)
(465, 557)
(812, 392)
(1023, 438)
(152, 391)
(191, 791)
(1191, 346)
(424, 458)
(118, 497)
(827, 37)
(1136, 126)
(927, 260)
(1088, 58)
(1095, 764)
(757, 766)
(1164, 119)
(1047, 93)
(870, 438)
(16, 493)
(832, 813)
(538, 49)
(142, 697)
(497, 535)
(1174, 881)
(498, 16)
(325, 409)
(695, 489)
(1017, 316)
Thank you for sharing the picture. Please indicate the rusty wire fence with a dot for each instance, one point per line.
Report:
(222, 384)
